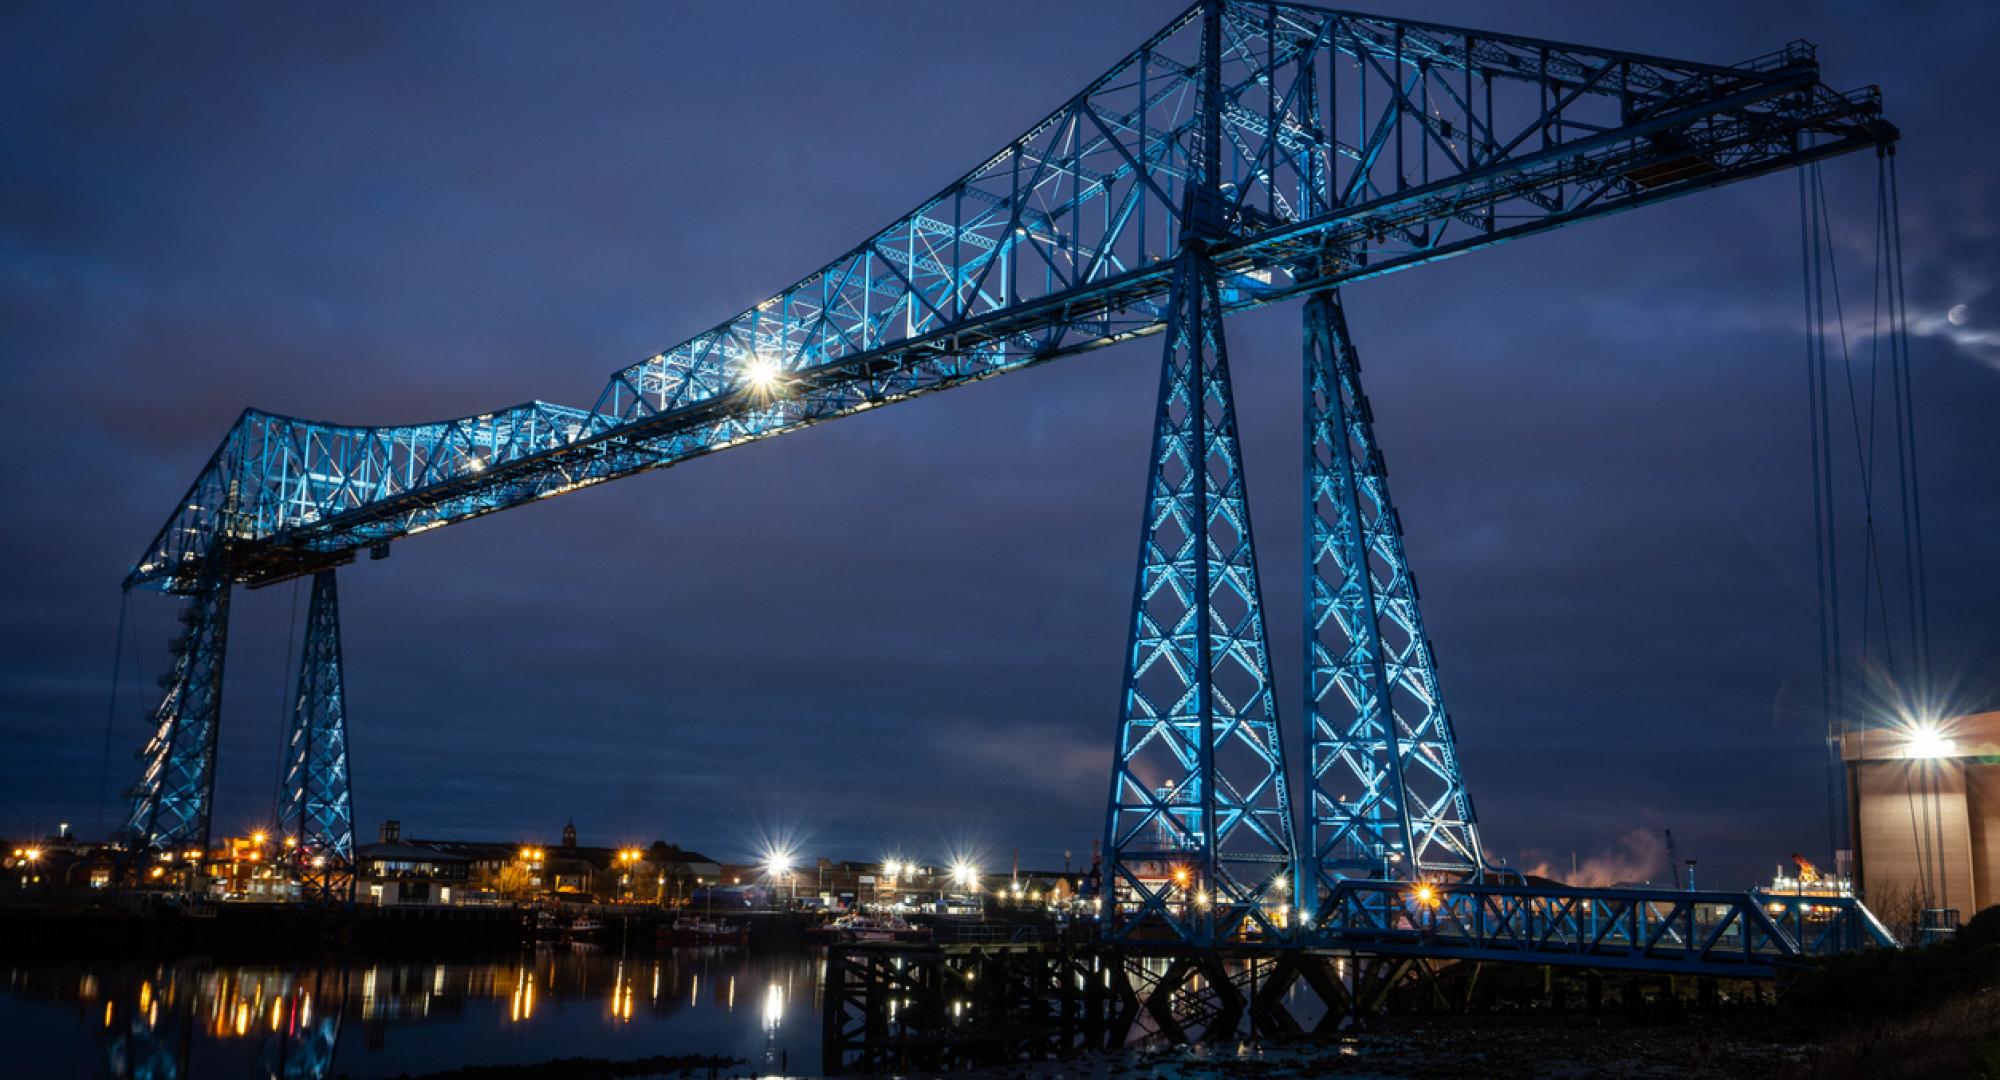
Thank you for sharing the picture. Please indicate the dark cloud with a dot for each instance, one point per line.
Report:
(903, 631)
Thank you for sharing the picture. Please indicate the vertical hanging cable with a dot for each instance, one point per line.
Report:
(1864, 448)
(1915, 570)
(1873, 587)
(111, 710)
(1825, 555)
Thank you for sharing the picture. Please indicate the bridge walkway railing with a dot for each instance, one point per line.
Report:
(1747, 934)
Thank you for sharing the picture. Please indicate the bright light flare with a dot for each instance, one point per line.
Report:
(1425, 894)
(774, 1006)
(762, 374)
(1927, 741)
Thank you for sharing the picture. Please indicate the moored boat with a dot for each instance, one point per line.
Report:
(688, 930)
(860, 926)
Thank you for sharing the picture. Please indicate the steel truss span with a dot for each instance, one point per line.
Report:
(1245, 154)
(1349, 146)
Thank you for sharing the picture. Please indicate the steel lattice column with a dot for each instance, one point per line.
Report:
(317, 820)
(1199, 828)
(172, 799)
(1386, 796)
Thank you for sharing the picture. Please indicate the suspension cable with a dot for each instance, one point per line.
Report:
(1915, 565)
(111, 709)
(1864, 449)
(1825, 554)
(1916, 568)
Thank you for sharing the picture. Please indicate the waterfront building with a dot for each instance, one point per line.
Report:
(393, 872)
(396, 870)
(59, 866)
(1924, 815)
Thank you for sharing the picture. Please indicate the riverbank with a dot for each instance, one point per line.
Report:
(1762, 1044)
(1957, 1040)
(272, 931)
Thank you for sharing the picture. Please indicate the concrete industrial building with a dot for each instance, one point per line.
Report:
(1924, 814)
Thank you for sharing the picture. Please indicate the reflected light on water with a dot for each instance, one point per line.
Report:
(523, 1001)
(621, 994)
(382, 1018)
(774, 1007)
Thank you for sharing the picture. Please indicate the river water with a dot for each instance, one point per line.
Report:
(194, 1018)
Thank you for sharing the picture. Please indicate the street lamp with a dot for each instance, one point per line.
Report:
(778, 865)
(1927, 741)
(629, 859)
(965, 875)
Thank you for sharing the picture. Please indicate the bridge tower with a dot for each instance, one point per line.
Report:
(1199, 828)
(176, 786)
(317, 819)
(1386, 797)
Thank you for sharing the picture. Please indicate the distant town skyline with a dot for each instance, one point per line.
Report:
(901, 634)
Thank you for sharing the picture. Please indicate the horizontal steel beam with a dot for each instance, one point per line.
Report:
(1059, 244)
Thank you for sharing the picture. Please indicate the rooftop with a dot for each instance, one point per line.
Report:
(1976, 735)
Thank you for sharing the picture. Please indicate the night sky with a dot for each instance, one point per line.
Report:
(902, 633)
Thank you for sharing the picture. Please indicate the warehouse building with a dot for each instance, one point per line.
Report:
(1924, 811)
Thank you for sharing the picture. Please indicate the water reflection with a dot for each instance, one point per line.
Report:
(193, 1018)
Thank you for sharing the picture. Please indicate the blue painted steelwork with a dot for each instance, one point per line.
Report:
(1199, 826)
(1386, 796)
(317, 820)
(1349, 146)
(1198, 830)
(176, 787)
(1736, 935)
(1246, 153)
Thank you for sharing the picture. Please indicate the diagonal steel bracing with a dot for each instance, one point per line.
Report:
(317, 817)
(1386, 796)
(1199, 828)
(1345, 146)
(172, 799)
(1245, 154)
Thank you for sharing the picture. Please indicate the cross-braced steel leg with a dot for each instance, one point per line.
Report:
(317, 821)
(1199, 827)
(172, 800)
(1386, 796)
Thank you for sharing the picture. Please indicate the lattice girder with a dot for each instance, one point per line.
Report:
(316, 821)
(1386, 798)
(1199, 832)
